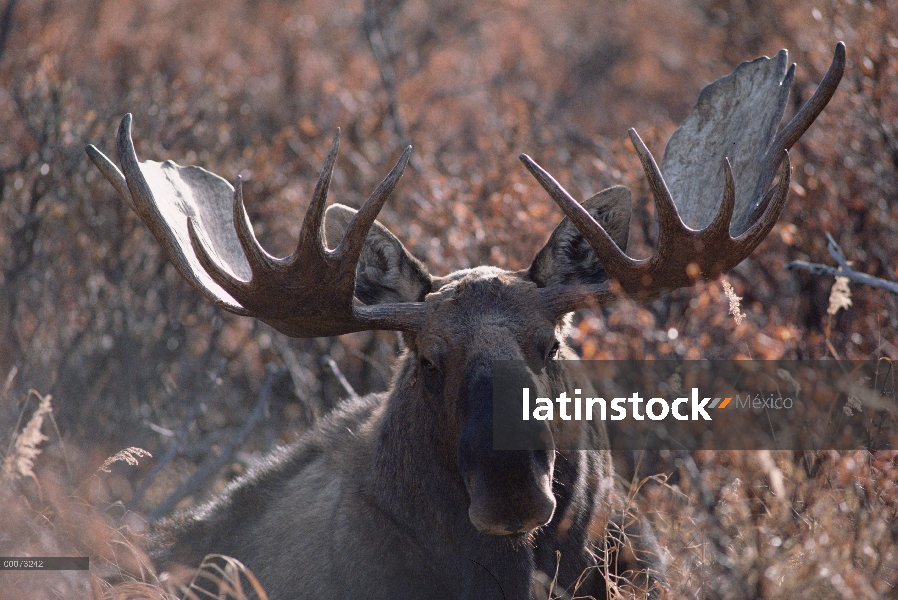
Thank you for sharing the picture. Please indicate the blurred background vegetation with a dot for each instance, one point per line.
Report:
(92, 315)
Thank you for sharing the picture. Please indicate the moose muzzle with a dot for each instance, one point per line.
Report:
(510, 490)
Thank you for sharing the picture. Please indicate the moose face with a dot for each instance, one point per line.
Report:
(472, 318)
(477, 317)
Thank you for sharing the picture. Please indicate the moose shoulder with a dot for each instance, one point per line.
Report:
(401, 494)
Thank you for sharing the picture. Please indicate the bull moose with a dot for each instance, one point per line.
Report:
(401, 494)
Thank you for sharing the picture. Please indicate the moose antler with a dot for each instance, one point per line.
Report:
(202, 225)
(200, 221)
(736, 116)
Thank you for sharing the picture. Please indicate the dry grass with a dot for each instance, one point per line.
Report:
(780, 525)
(50, 509)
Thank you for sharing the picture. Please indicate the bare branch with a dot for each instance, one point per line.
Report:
(341, 378)
(375, 37)
(209, 468)
(843, 270)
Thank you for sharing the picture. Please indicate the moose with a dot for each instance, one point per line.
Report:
(401, 494)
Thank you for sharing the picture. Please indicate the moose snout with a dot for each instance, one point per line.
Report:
(510, 491)
(508, 505)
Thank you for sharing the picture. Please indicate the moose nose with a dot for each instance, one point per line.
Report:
(514, 527)
(498, 514)
(511, 526)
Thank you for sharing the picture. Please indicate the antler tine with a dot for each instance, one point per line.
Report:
(808, 113)
(611, 256)
(111, 173)
(310, 235)
(140, 192)
(803, 119)
(235, 287)
(683, 254)
(256, 256)
(749, 240)
(351, 245)
(721, 223)
(668, 216)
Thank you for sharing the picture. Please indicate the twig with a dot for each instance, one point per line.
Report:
(210, 467)
(6, 23)
(167, 458)
(9, 379)
(305, 385)
(341, 378)
(178, 447)
(371, 364)
(375, 38)
(719, 539)
(843, 270)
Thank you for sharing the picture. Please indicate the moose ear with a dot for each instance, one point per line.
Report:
(386, 271)
(567, 258)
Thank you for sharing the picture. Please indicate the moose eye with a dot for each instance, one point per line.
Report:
(433, 380)
(553, 351)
